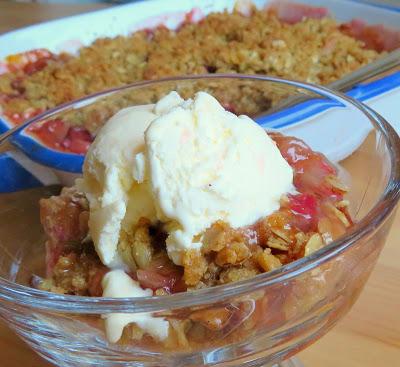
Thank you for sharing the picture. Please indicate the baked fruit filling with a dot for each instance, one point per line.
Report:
(92, 245)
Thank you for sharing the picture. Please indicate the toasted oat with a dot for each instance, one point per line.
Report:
(335, 182)
(301, 237)
(212, 273)
(339, 214)
(278, 43)
(342, 204)
(325, 229)
(49, 286)
(218, 236)
(327, 238)
(267, 261)
(277, 243)
(234, 253)
(281, 234)
(313, 244)
(160, 292)
(342, 217)
(195, 265)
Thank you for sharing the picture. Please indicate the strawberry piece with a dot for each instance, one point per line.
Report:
(304, 204)
(52, 132)
(79, 133)
(30, 61)
(292, 149)
(36, 66)
(292, 13)
(57, 134)
(78, 140)
(304, 208)
(375, 37)
(310, 176)
(76, 146)
(310, 168)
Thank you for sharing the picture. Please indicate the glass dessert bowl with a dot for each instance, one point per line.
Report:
(260, 320)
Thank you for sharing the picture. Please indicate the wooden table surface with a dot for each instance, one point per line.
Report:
(369, 336)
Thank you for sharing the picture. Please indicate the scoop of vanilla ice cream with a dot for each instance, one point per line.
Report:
(108, 180)
(207, 164)
(113, 177)
(184, 163)
(118, 284)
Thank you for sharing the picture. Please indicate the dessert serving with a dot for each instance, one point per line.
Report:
(157, 218)
(183, 195)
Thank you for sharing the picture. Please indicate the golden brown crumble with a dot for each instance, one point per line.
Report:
(267, 261)
(313, 50)
(78, 274)
(195, 265)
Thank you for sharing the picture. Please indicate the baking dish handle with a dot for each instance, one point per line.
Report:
(20, 173)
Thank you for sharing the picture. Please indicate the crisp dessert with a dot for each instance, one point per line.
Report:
(183, 195)
(286, 40)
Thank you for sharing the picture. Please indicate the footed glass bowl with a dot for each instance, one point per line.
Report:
(277, 314)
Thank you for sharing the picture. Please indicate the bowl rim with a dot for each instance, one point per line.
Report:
(38, 299)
